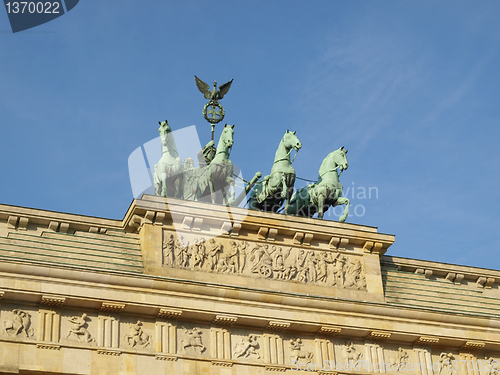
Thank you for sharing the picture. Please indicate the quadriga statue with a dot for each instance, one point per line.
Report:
(168, 172)
(326, 192)
(269, 194)
(207, 182)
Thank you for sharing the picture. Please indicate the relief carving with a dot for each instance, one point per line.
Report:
(400, 361)
(20, 323)
(136, 336)
(246, 347)
(193, 341)
(446, 364)
(350, 353)
(353, 277)
(196, 253)
(489, 366)
(263, 260)
(214, 251)
(299, 355)
(180, 252)
(168, 250)
(78, 329)
(230, 261)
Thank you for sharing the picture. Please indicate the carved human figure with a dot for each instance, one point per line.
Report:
(322, 267)
(20, 322)
(214, 250)
(229, 261)
(168, 250)
(278, 262)
(351, 354)
(446, 364)
(290, 272)
(246, 347)
(298, 354)
(181, 252)
(78, 329)
(257, 253)
(233, 259)
(302, 269)
(197, 253)
(261, 261)
(353, 277)
(338, 270)
(136, 336)
(400, 360)
(242, 249)
(310, 263)
(193, 340)
(489, 366)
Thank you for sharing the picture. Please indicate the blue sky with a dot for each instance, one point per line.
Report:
(410, 88)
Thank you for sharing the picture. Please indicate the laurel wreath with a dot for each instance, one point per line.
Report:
(213, 120)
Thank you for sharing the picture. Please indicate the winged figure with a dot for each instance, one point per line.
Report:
(212, 95)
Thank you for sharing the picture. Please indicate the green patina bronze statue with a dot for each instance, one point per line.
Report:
(268, 195)
(213, 110)
(168, 172)
(326, 192)
(205, 182)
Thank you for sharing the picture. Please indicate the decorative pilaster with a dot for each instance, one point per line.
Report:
(165, 338)
(108, 332)
(423, 362)
(374, 358)
(324, 351)
(49, 323)
(273, 349)
(468, 364)
(220, 343)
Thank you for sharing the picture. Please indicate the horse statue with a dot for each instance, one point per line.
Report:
(269, 194)
(168, 171)
(218, 175)
(326, 192)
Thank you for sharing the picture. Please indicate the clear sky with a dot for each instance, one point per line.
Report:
(410, 88)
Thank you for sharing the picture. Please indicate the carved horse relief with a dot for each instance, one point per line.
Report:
(326, 192)
(168, 171)
(269, 194)
(20, 323)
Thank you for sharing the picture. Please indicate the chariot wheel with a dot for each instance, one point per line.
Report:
(265, 270)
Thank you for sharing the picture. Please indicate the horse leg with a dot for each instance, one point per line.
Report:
(284, 189)
(163, 184)
(178, 187)
(211, 185)
(289, 192)
(342, 200)
(321, 203)
(231, 189)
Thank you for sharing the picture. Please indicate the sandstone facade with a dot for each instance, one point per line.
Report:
(180, 287)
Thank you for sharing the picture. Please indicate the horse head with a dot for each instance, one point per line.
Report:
(340, 158)
(164, 127)
(164, 131)
(290, 140)
(227, 136)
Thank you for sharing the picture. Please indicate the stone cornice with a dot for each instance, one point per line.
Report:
(364, 317)
(330, 233)
(444, 270)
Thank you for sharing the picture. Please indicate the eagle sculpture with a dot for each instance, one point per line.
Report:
(212, 95)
